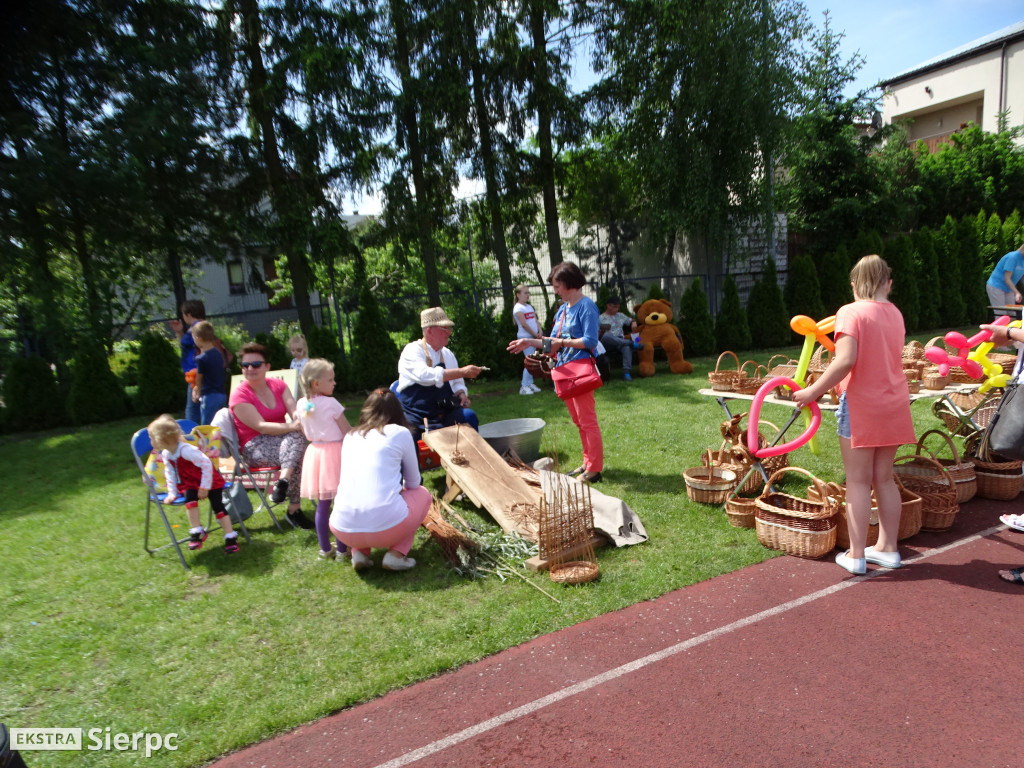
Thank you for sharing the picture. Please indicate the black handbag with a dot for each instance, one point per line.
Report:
(1005, 432)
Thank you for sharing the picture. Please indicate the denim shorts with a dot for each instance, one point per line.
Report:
(843, 417)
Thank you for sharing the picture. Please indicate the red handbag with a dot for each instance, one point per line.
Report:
(576, 378)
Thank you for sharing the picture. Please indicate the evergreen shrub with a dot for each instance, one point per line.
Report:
(928, 279)
(731, 329)
(374, 354)
(899, 255)
(277, 350)
(767, 317)
(161, 382)
(96, 394)
(803, 291)
(695, 322)
(124, 362)
(972, 275)
(32, 396)
(953, 311)
(835, 281)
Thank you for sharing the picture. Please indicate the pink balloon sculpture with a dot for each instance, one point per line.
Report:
(755, 415)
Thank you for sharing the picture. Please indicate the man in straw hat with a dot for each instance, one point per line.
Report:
(431, 386)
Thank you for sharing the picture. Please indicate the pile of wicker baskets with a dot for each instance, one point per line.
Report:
(910, 515)
(725, 380)
(998, 478)
(926, 477)
(796, 526)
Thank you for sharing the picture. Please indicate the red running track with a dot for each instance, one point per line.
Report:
(788, 663)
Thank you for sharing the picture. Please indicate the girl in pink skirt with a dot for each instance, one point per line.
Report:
(325, 426)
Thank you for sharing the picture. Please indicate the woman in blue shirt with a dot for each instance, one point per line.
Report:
(573, 337)
(1002, 283)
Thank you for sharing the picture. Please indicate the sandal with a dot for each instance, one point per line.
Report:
(1014, 575)
(578, 471)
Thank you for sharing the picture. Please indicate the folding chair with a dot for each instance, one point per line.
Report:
(142, 448)
(258, 479)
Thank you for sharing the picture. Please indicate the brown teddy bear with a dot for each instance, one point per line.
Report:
(656, 331)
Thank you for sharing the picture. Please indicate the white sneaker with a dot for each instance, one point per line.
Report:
(855, 565)
(525, 391)
(884, 559)
(361, 562)
(535, 388)
(395, 562)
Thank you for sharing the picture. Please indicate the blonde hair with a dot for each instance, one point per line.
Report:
(522, 287)
(164, 433)
(869, 275)
(298, 341)
(312, 371)
(203, 331)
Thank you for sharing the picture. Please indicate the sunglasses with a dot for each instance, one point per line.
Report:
(252, 365)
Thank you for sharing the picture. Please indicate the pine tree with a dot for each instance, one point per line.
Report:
(835, 280)
(731, 329)
(899, 255)
(161, 385)
(803, 292)
(695, 322)
(972, 275)
(96, 394)
(767, 317)
(31, 395)
(947, 253)
(930, 316)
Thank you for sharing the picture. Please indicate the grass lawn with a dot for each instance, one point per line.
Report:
(98, 634)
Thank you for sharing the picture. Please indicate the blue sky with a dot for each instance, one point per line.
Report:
(895, 35)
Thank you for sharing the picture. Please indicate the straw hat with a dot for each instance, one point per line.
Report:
(435, 316)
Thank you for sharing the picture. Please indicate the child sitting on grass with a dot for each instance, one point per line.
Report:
(189, 469)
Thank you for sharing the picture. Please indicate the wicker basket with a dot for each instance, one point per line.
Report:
(930, 378)
(801, 527)
(724, 381)
(960, 469)
(1003, 360)
(912, 352)
(731, 457)
(786, 368)
(998, 478)
(751, 382)
(709, 485)
(574, 572)
(913, 386)
(740, 511)
(926, 477)
(963, 408)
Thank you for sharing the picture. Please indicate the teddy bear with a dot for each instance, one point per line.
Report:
(656, 330)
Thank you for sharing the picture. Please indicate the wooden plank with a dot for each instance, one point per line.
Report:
(486, 479)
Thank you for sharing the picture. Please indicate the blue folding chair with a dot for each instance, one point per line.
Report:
(142, 447)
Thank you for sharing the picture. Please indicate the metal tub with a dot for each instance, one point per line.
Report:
(521, 435)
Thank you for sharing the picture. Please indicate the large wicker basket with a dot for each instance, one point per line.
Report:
(731, 457)
(926, 477)
(910, 516)
(801, 527)
(960, 469)
(724, 380)
(930, 379)
(787, 367)
(963, 408)
(749, 383)
(998, 478)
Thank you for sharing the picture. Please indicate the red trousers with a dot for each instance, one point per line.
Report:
(583, 411)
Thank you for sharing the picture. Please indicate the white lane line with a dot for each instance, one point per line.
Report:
(553, 698)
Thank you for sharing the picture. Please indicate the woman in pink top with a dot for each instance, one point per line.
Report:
(261, 408)
(874, 410)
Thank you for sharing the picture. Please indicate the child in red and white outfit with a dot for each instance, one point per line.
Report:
(325, 426)
(188, 469)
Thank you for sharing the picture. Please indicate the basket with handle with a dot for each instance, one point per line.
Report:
(926, 477)
(787, 367)
(1004, 360)
(998, 478)
(961, 469)
(737, 435)
(910, 515)
(913, 351)
(709, 484)
(729, 457)
(801, 527)
(749, 383)
(724, 380)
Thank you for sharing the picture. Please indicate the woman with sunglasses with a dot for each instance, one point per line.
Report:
(261, 408)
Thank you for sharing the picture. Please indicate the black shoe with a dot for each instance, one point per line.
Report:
(196, 539)
(280, 492)
(578, 471)
(230, 544)
(299, 520)
(591, 477)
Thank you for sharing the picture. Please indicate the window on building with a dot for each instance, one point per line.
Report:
(236, 278)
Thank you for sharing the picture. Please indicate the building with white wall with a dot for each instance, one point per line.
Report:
(973, 83)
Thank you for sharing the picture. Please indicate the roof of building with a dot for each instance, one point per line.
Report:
(974, 48)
